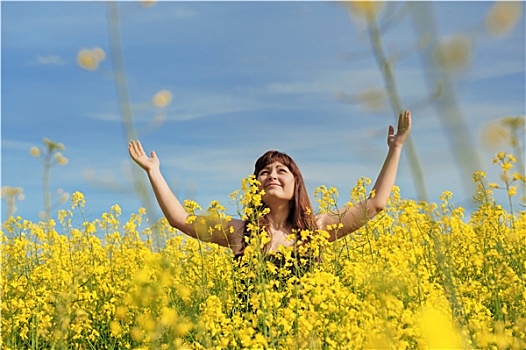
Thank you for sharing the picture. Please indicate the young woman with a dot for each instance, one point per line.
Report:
(284, 194)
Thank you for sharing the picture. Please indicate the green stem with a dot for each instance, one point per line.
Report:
(47, 195)
(130, 133)
(396, 104)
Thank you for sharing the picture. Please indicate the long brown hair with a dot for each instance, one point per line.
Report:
(301, 215)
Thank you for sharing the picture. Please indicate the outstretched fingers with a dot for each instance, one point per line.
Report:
(132, 148)
(404, 122)
(135, 149)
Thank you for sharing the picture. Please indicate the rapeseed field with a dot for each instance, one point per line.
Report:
(420, 275)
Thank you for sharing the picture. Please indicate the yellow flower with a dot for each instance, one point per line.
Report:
(115, 328)
(190, 219)
(116, 209)
(148, 3)
(35, 151)
(77, 200)
(478, 176)
(367, 8)
(494, 135)
(506, 166)
(89, 59)
(438, 330)
(453, 54)
(162, 99)
(60, 159)
(503, 16)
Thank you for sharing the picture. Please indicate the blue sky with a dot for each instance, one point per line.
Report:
(245, 77)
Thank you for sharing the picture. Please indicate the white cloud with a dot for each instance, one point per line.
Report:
(50, 60)
(298, 88)
(17, 145)
(497, 69)
(193, 104)
(104, 116)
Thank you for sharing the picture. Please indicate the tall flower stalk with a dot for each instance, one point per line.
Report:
(369, 10)
(121, 85)
(51, 155)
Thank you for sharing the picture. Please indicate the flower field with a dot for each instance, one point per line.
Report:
(420, 275)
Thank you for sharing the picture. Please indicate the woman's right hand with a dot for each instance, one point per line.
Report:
(139, 156)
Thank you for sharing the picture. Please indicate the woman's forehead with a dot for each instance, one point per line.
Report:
(276, 164)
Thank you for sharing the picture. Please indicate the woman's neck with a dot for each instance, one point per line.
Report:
(278, 227)
(277, 218)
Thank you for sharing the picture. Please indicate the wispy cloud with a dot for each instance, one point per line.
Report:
(497, 69)
(8, 144)
(54, 60)
(104, 116)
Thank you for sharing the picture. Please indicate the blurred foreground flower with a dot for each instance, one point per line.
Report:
(90, 59)
(438, 330)
(52, 155)
(34, 151)
(162, 99)
(148, 3)
(11, 195)
(453, 54)
(52, 150)
(373, 100)
(361, 9)
(507, 131)
(493, 134)
(502, 17)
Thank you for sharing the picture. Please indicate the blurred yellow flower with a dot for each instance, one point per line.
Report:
(60, 159)
(453, 54)
(98, 54)
(373, 99)
(162, 99)
(64, 197)
(115, 328)
(439, 331)
(148, 3)
(14, 192)
(35, 151)
(493, 134)
(89, 59)
(503, 17)
(367, 8)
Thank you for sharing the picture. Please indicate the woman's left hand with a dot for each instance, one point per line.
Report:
(402, 132)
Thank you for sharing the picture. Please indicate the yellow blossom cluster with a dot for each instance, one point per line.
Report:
(420, 275)
(90, 59)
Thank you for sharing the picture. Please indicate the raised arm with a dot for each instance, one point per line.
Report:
(356, 216)
(174, 211)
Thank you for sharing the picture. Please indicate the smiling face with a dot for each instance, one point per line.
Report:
(278, 182)
(282, 181)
